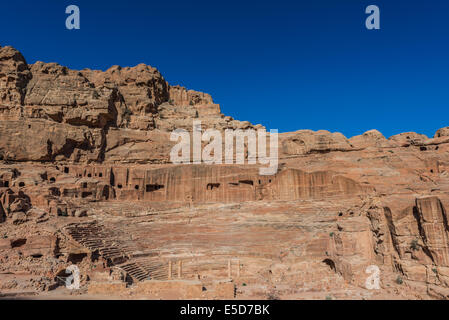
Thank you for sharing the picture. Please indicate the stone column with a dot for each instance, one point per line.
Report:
(179, 269)
(238, 268)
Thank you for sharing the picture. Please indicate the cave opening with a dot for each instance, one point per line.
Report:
(212, 186)
(153, 187)
(330, 263)
(86, 194)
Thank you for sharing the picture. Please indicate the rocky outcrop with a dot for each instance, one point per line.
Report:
(86, 110)
(433, 228)
(67, 96)
(14, 77)
(183, 97)
(419, 236)
(44, 140)
(293, 184)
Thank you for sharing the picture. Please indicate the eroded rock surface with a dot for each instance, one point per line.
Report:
(86, 180)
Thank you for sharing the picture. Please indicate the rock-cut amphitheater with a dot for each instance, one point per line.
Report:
(86, 180)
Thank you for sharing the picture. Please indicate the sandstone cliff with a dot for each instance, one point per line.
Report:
(85, 179)
(51, 113)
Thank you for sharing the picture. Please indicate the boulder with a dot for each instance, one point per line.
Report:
(39, 245)
(443, 132)
(14, 77)
(408, 139)
(18, 217)
(371, 138)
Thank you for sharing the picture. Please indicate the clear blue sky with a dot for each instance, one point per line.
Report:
(288, 65)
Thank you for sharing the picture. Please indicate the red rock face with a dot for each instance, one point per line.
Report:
(14, 75)
(86, 179)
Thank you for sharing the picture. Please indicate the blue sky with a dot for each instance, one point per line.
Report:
(288, 65)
